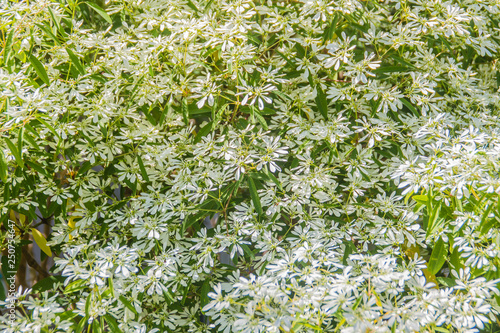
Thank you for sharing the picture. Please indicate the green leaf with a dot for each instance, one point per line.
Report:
(421, 199)
(274, 179)
(82, 324)
(76, 61)
(434, 221)
(247, 250)
(48, 283)
(96, 328)
(447, 282)
(39, 69)
(75, 286)
(49, 33)
(30, 140)
(202, 132)
(330, 31)
(38, 168)
(409, 106)
(322, 102)
(205, 289)
(486, 222)
(186, 291)
(207, 205)
(15, 152)
(49, 127)
(143, 169)
(438, 257)
(55, 19)
(260, 118)
(20, 139)
(68, 315)
(192, 6)
(87, 305)
(254, 195)
(100, 11)
(112, 324)
(3, 167)
(407, 197)
(8, 47)
(185, 110)
(127, 304)
(111, 287)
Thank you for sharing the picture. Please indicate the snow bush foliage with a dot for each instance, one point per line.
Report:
(254, 166)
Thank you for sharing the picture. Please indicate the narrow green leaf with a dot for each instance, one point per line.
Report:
(167, 110)
(202, 132)
(247, 250)
(274, 179)
(20, 139)
(81, 324)
(87, 305)
(3, 167)
(186, 291)
(207, 205)
(74, 286)
(8, 47)
(112, 323)
(143, 169)
(76, 61)
(185, 110)
(111, 287)
(408, 196)
(409, 106)
(447, 282)
(486, 223)
(434, 220)
(207, 5)
(96, 328)
(329, 32)
(67, 315)
(55, 19)
(260, 119)
(205, 289)
(321, 102)
(301, 52)
(27, 137)
(192, 6)
(127, 304)
(402, 61)
(49, 127)
(49, 33)
(100, 11)
(15, 152)
(39, 69)
(438, 257)
(254, 195)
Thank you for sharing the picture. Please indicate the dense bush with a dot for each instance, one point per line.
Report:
(253, 166)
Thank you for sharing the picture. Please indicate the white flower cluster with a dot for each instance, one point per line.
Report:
(255, 166)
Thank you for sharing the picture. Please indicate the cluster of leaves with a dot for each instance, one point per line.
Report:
(253, 166)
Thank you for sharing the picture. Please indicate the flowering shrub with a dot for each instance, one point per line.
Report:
(253, 166)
